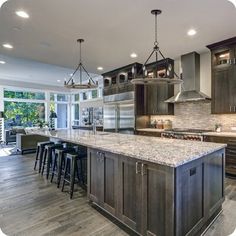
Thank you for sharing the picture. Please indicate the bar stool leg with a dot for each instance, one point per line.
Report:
(41, 154)
(60, 163)
(72, 176)
(37, 157)
(54, 166)
(44, 159)
(49, 162)
(66, 167)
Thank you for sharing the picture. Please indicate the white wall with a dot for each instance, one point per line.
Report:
(1, 99)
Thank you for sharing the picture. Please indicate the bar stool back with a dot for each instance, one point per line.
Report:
(39, 153)
(71, 169)
(59, 161)
(47, 157)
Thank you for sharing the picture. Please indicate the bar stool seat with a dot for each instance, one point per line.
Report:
(71, 169)
(47, 157)
(39, 153)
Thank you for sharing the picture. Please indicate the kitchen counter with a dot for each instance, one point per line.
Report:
(150, 130)
(221, 134)
(167, 152)
(169, 180)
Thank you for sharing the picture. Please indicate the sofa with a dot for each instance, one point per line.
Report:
(28, 142)
(10, 135)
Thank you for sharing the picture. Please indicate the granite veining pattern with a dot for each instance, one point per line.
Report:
(169, 152)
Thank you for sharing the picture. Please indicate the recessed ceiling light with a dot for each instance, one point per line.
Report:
(133, 55)
(22, 14)
(233, 2)
(100, 68)
(2, 2)
(7, 45)
(192, 32)
(2, 62)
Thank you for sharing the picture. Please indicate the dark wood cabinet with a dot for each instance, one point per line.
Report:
(148, 133)
(103, 179)
(158, 197)
(223, 56)
(130, 193)
(150, 99)
(155, 99)
(230, 154)
(119, 80)
(154, 199)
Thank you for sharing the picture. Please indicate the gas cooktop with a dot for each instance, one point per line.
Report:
(180, 130)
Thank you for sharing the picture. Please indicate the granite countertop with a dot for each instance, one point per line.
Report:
(151, 130)
(169, 152)
(223, 134)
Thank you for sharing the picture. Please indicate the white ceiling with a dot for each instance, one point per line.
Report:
(112, 29)
(22, 70)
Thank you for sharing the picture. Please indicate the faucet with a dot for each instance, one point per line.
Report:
(94, 127)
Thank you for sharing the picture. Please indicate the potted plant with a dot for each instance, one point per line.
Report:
(218, 127)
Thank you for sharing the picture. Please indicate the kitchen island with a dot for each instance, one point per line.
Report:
(154, 186)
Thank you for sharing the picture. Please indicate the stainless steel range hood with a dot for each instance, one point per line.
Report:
(190, 64)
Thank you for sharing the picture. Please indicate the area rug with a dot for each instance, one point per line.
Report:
(8, 150)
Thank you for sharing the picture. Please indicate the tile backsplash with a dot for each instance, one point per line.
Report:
(198, 115)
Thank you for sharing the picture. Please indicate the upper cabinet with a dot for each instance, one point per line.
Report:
(223, 56)
(119, 80)
(150, 99)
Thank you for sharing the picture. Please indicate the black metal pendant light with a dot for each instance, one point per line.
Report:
(71, 84)
(156, 50)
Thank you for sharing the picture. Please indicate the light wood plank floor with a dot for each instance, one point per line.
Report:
(30, 205)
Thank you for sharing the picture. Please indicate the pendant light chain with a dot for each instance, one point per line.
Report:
(156, 43)
(71, 84)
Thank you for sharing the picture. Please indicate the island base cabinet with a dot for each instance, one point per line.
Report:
(157, 199)
(130, 193)
(199, 193)
(154, 199)
(102, 180)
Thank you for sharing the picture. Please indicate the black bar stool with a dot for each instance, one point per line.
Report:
(71, 169)
(39, 153)
(49, 150)
(59, 162)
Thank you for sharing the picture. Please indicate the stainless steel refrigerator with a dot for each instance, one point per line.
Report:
(119, 118)
(119, 115)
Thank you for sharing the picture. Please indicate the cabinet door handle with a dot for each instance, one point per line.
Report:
(143, 172)
(230, 108)
(193, 171)
(234, 60)
(137, 168)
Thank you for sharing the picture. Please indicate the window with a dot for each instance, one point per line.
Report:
(25, 114)
(24, 95)
(85, 96)
(61, 111)
(58, 97)
(23, 108)
(94, 94)
(59, 104)
(76, 97)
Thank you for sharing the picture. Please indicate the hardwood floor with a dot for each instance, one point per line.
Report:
(30, 205)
